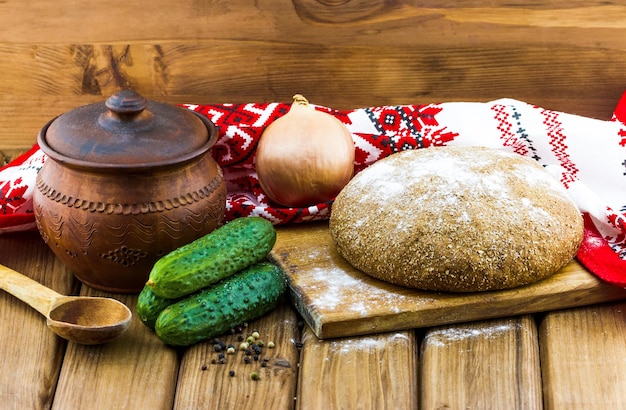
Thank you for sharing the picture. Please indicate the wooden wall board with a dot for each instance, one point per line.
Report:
(566, 56)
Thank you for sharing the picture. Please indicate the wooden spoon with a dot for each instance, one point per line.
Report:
(82, 319)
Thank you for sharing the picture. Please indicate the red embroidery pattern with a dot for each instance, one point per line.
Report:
(400, 128)
(619, 115)
(12, 196)
(554, 129)
(618, 243)
(505, 126)
(622, 134)
(15, 180)
(240, 127)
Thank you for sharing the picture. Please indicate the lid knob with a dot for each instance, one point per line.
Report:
(126, 103)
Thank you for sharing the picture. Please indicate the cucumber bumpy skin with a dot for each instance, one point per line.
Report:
(248, 295)
(216, 256)
(150, 306)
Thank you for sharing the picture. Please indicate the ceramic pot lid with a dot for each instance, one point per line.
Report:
(127, 131)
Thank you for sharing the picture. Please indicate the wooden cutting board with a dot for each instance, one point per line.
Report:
(337, 300)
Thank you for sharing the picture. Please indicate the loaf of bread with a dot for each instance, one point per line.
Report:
(457, 219)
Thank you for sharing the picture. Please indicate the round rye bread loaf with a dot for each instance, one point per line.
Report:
(456, 219)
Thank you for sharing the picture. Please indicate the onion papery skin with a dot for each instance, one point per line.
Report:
(304, 157)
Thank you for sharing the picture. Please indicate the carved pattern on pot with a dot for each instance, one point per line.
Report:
(135, 226)
(129, 209)
(54, 224)
(124, 255)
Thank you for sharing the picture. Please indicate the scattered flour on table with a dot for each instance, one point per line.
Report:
(366, 343)
(445, 336)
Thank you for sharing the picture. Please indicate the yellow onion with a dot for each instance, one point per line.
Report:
(304, 157)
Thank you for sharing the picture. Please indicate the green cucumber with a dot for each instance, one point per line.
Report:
(248, 295)
(214, 257)
(150, 305)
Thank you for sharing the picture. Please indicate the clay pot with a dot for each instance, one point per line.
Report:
(126, 182)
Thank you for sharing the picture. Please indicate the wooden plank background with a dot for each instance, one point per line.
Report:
(55, 56)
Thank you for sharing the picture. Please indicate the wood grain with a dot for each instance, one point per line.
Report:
(481, 365)
(566, 56)
(31, 357)
(208, 385)
(583, 356)
(134, 371)
(366, 372)
(338, 300)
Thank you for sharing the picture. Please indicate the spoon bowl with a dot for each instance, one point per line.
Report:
(89, 320)
(81, 319)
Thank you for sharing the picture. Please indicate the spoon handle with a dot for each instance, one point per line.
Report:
(27, 290)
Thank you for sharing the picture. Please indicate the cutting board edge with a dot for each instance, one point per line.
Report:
(313, 321)
(365, 326)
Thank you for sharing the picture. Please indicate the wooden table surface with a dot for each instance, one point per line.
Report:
(562, 55)
(567, 359)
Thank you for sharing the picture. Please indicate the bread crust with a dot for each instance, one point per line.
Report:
(457, 219)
